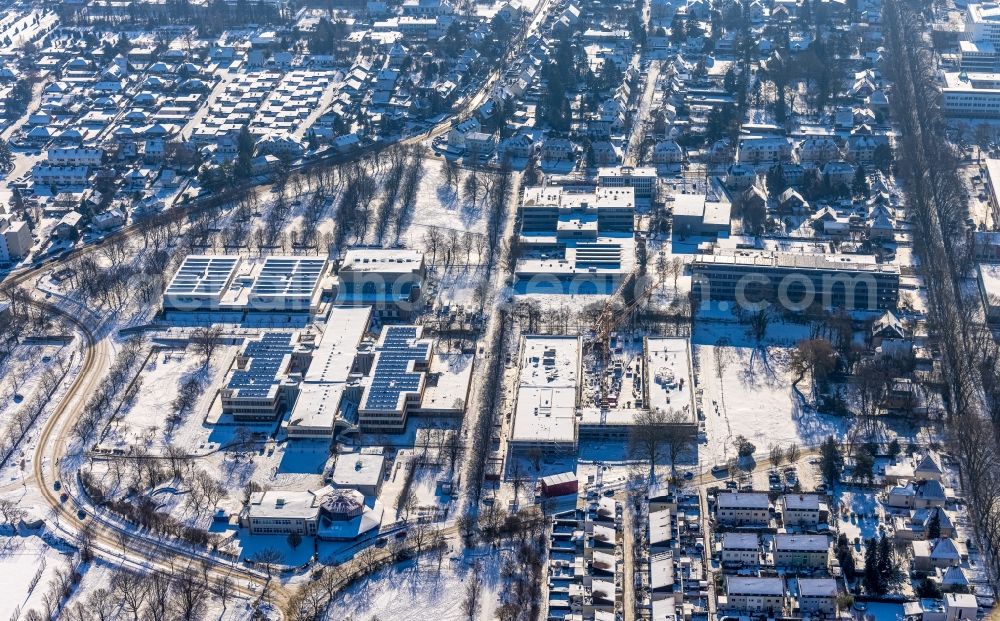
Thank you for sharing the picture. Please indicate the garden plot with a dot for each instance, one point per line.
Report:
(858, 515)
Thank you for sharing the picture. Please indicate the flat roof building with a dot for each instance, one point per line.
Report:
(397, 380)
(333, 378)
(796, 281)
(548, 392)
(389, 280)
(260, 386)
(642, 179)
(988, 279)
(576, 235)
(360, 471)
(331, 514)
(231, 284)
(702, 214)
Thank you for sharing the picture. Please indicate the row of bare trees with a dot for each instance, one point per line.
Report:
(102, 402)
(60, 587)
(181, 596)
(938, 201)
(25, 416)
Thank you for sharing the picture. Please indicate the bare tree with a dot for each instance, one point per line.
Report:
(206, 341)
(792, 453)
(472, 588)
(131, 590)
(656, 430)
(777, 455)
(191, 593)
(10, 512)
(268, 557)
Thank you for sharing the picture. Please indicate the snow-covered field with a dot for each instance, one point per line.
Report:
(20, 372)
(440, 206)
(145, 421)
(754, 395)
(407, 592)
(27, 565)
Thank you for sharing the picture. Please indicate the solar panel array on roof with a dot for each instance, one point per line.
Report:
(391, 377)
(289, 276)
(203, 275)
(266, 356)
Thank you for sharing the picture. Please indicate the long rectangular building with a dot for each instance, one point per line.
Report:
(547, 394)
(236, 285)
(795, 281)
(333, 379)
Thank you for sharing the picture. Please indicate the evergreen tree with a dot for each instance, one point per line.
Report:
(864, 463)
(860, 186)
(872, 582)
(845, 556)
(776, 183)
(831, 461)
(678, 29)
(888, 574)
(934, 525)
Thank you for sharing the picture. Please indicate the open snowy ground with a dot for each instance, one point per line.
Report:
(20, 372)
(145, 421)
(405, 592)
(440, 206)
(27, 565)
(753, 397)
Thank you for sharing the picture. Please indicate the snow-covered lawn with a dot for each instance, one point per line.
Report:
(406, 592)
(27, 565)
(145, 423)
(754, 395)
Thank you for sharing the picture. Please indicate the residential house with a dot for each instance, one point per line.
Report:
(15, 240)
(667, 152)
(801, 510)
(818, 149)
(938, 553)
(764, 150)
(557, 149)
(889, 336)
(811, 551)
(518, 146)
(68, 226)
(111, 219)
(917, 495)
(818, 595)
(790, 201)
(928, 469)
(457, 134)
(748, 594)
(838, 173)
(738, 508)
(740, 549)
(960, 606)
